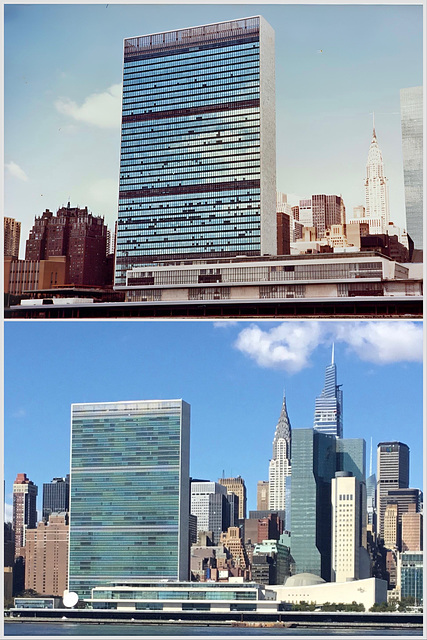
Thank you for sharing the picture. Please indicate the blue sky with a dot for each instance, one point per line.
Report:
(63, 70)
(233, 374)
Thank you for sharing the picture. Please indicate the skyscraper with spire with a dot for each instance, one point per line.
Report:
(376, 189)
(328, 407)
(280, 464)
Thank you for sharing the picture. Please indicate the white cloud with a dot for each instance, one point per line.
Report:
(100, 109)
(289, 345)
(8, 512)
(15, 170)
(383, 342)
(224, 324)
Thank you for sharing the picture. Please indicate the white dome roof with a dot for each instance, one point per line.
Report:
(303, 580)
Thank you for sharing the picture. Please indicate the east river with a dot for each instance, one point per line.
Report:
(59, 629)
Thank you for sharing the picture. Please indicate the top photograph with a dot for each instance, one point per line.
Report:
(213, 161)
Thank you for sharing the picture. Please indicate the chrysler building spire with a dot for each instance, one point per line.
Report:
(376, 189)
(280, 464)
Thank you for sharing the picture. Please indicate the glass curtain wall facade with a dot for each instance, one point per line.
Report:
(129, 508)
(197, 173)
(411, 111)
(313, 467)
(328, 410)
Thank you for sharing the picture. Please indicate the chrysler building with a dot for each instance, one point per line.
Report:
(280, 464)
(376, 190)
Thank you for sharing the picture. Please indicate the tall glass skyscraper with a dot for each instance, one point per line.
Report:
(197, 173)
(411, 110)
(328, 410)
(313, 467)
(129, 507)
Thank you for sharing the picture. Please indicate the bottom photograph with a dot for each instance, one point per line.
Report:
(213, 478)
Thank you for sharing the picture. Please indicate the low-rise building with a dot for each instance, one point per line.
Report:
(173, 597)
(306, 587)
(329, 275)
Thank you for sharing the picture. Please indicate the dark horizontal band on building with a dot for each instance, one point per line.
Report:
(232, 185)
(131, 54)
(192, 111)
(144, 259)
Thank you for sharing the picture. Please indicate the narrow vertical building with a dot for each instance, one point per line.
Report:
(12, 236)
(56, 496)
(411, 110)
(328, 412)
(346, 521)
(280, 463)
(262, 499)
(24, 510)
(392, 473)
(129, 505)
(376, 190)
(197, 173)
(238, 487)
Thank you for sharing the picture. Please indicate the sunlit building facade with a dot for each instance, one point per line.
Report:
(411, 111)
(197, 174)
(328, 412)
(280, 463)
(129, 509)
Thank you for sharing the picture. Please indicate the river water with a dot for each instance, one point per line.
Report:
(60, 629)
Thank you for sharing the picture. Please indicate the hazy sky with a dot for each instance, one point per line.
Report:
(335, 65)
(233, 374)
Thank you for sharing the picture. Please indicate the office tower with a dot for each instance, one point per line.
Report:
(238, 487)
(404, 499)
(376, 190)
(209, 504)
(392, 473)
(412, 530)
(371, 497)
(411, 110)
(306, 212)
(391, 537)
(46, 557)
(328, 412)
(129, 502)
(12, 236)
(313, 467)
(76, 234)
(197, 175)
(262, 495)
(233, 509)
(24, 510)
(284, 234)
(326, 211)
(345, 501)
(270, 527)
(232, 540)
(411, 569)
(56, 496)
(280, 464)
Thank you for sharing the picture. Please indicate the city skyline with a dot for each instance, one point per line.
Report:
(247, 364)
(60, 108)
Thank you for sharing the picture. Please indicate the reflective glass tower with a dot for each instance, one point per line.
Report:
(328, 416)
(313, 467)
(129, 510)
(197, 173)
(411, 110)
